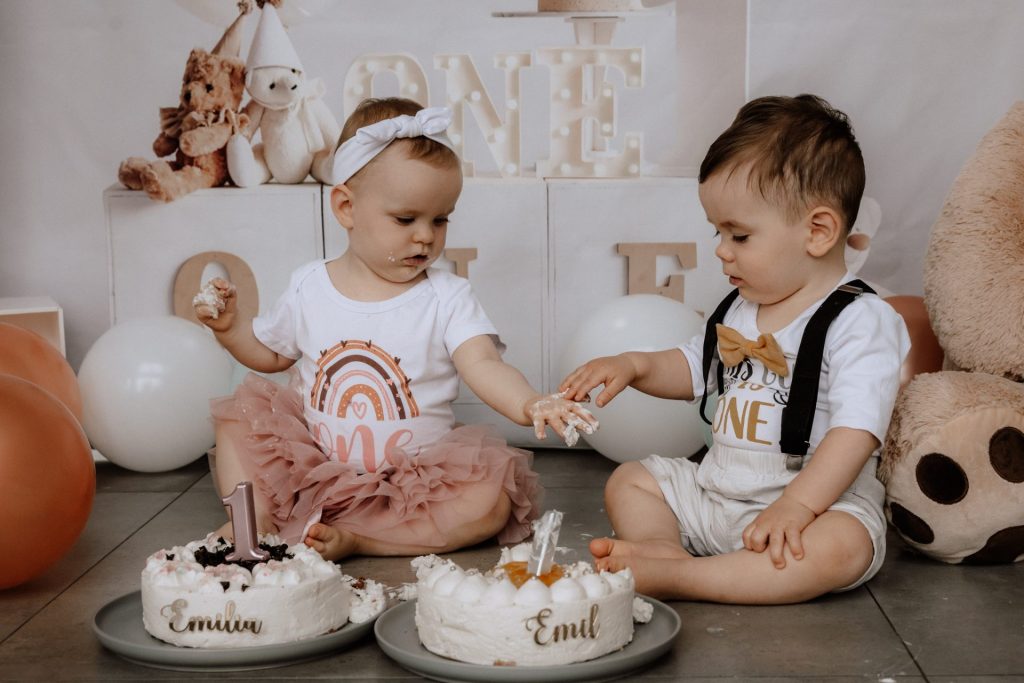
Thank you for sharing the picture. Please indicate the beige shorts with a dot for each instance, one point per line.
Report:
(716, 500)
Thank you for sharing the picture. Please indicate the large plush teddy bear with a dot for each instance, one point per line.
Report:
(953, 461)
(298, 131)
(198, 129)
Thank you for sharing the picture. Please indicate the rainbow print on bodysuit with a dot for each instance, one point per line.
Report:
(355, 368)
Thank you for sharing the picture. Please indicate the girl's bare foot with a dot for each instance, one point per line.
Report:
(226, 531)
(605, 548)
(330, 542)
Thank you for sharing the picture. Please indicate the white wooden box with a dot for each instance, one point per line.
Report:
(588, 219)
(273, 228)
(546, 254)
(40, 314)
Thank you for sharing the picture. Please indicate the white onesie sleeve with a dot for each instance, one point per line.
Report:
(865, 350)
(464, 316)
(277, 329)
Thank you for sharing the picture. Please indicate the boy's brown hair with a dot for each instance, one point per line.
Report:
(801, 151)
(372, 110)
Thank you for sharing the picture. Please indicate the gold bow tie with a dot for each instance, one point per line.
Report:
(734, 347)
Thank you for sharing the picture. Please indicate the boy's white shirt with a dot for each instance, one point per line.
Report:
(864, 350)
(412, 335)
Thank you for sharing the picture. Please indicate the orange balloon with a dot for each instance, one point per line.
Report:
(47, 480)
(925, 353)
(27, 355)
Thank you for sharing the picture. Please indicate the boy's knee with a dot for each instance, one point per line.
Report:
(627, 479)
(629, 474)
(849, 551)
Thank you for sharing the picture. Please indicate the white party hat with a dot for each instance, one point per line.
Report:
(270, 45)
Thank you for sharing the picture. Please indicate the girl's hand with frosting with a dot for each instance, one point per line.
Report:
(216, 304)
(567, 418)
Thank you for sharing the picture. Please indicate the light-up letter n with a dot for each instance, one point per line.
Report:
(463, 87)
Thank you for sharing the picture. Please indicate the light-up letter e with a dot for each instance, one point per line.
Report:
(575, 99)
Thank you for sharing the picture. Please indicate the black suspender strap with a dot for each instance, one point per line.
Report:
(711, 348)
(798, 415)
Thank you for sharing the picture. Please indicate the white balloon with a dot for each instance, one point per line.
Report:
(146, 385)
(635, 425)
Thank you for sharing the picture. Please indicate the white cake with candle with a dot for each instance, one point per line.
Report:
(589, 5)
(507, 616)
(192, 596)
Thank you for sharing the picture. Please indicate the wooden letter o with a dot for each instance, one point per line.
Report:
(188, 282)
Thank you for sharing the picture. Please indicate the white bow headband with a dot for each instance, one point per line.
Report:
(369, 141)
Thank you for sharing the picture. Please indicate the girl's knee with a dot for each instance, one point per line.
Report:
(501, 511)
(229, 431)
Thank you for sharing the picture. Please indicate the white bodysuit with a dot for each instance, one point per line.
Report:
(374, 375)
(745, 471)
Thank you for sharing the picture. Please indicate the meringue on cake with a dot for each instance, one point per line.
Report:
(193, 597)
(507, 617)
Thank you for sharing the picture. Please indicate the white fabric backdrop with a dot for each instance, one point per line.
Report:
(922, 81)
(82, 83)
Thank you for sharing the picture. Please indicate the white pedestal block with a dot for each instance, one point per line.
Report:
(40, 314)
(588, 219)
(546, 254)
(273, 228)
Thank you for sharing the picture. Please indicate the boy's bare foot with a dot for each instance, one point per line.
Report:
(656, 577)
(330, 542)
(605, 548)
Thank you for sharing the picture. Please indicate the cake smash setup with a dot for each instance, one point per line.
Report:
(211, 605)
(951, 468)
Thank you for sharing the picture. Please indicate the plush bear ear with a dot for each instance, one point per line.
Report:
(195, 61)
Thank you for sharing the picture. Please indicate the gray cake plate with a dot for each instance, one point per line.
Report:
(118, 625)
(397, 636)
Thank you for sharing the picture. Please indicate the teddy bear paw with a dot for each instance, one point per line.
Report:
(958, 494)
(159, 182)
(129, 173)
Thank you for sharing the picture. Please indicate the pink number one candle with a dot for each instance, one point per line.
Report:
(243, 523)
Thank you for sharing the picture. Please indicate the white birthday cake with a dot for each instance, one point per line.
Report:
(505, 617)
(192, 596)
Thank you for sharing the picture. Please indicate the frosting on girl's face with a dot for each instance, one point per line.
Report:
(399, 214)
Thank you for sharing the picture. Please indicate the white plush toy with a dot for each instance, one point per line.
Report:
(298, 131)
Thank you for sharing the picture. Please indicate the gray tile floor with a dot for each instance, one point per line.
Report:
(917, 620)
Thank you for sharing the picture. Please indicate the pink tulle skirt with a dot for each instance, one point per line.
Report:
(415, 501)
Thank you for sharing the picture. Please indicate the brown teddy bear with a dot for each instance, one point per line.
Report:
(953, 461)
(197, 129)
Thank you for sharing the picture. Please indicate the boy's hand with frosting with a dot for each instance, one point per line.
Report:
(567, 418)
(216, 304)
